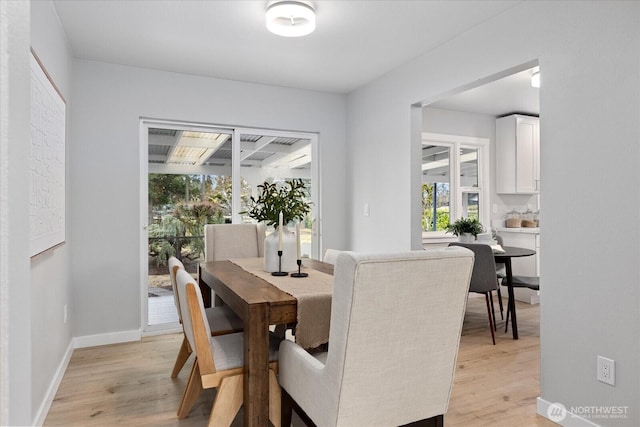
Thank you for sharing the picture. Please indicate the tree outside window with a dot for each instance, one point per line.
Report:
(180, 206)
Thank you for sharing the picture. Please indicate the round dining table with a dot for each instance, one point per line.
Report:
(505, 258)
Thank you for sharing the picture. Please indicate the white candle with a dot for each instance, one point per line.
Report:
(280, 231)
(298, 241)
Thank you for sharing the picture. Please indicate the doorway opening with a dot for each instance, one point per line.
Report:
(471, 112)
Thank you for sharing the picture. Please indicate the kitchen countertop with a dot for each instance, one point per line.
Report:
(529, 230)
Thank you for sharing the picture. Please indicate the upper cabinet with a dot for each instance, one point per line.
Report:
(517, 155)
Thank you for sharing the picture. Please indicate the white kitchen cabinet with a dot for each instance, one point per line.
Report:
(517, 155)
(528, 238)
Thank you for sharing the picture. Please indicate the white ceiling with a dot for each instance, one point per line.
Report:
(511, 94)
(355, 41)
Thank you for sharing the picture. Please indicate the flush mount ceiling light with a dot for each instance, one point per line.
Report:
(535, 79)
(291, 19)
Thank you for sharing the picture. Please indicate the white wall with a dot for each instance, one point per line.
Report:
(37, 343)
(105, 163)
(589, 56)
(50, 276)
(15, 344)
(437, 120)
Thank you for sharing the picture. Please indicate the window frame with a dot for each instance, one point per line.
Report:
(455, 143)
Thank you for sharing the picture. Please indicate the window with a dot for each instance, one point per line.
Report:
(455, 181)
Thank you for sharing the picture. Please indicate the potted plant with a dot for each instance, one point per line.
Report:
(288, 199)
(467, 229)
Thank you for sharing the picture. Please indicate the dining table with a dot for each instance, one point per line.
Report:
(505, 257)
(260, 304)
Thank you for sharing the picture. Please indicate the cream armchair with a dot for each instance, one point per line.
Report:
(330, 256)
(372, 375)
(229, 241)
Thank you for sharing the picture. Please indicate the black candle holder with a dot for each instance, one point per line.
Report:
(299, 274)
(279, 272)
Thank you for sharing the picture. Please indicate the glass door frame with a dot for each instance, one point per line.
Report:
(144, 125)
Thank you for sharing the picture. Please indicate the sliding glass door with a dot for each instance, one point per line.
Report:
(277, 157)
(196, 175)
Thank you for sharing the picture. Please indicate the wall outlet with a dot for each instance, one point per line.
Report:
(367, 209)
(606, 370)
(495, 208)
(65, 313)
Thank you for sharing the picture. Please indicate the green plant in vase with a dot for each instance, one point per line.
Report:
(289, 199)
(464, 226)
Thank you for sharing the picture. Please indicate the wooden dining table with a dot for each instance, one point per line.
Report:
(259, 304)
(505, 258)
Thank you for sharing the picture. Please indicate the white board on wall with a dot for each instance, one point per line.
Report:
(47, 162)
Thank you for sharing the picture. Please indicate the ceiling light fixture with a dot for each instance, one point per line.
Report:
(535, 79)
(291, 19)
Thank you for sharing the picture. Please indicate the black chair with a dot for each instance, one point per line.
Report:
(484, 279)
(531, 282)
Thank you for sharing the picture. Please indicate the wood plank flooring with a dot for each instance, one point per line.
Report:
(129, 384)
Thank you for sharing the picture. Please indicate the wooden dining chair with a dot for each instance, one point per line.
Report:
(222, 320)
(384, 378)
(219, 362)
(484, 279)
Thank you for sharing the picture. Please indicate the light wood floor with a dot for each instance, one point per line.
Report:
(129, 384)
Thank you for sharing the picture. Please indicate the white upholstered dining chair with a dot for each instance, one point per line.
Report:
(330, 256)
(219, 362)
(222, 320)
(372, 375)
(229, 241)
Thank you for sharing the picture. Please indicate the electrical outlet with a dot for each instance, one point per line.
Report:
(606, 370)
(495, 208)
(367, 209)
(65, 313)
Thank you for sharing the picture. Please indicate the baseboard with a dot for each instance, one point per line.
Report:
(108, 338)
(557, 413)
(163, 331)
(41, 415)
(79, 342)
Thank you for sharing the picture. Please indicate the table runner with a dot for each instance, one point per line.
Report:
(314, 299)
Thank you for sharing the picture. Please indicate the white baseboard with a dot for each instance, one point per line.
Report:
(163, 331)
(79, 342)
(108, 338)
(41, 415)
(565, 419)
